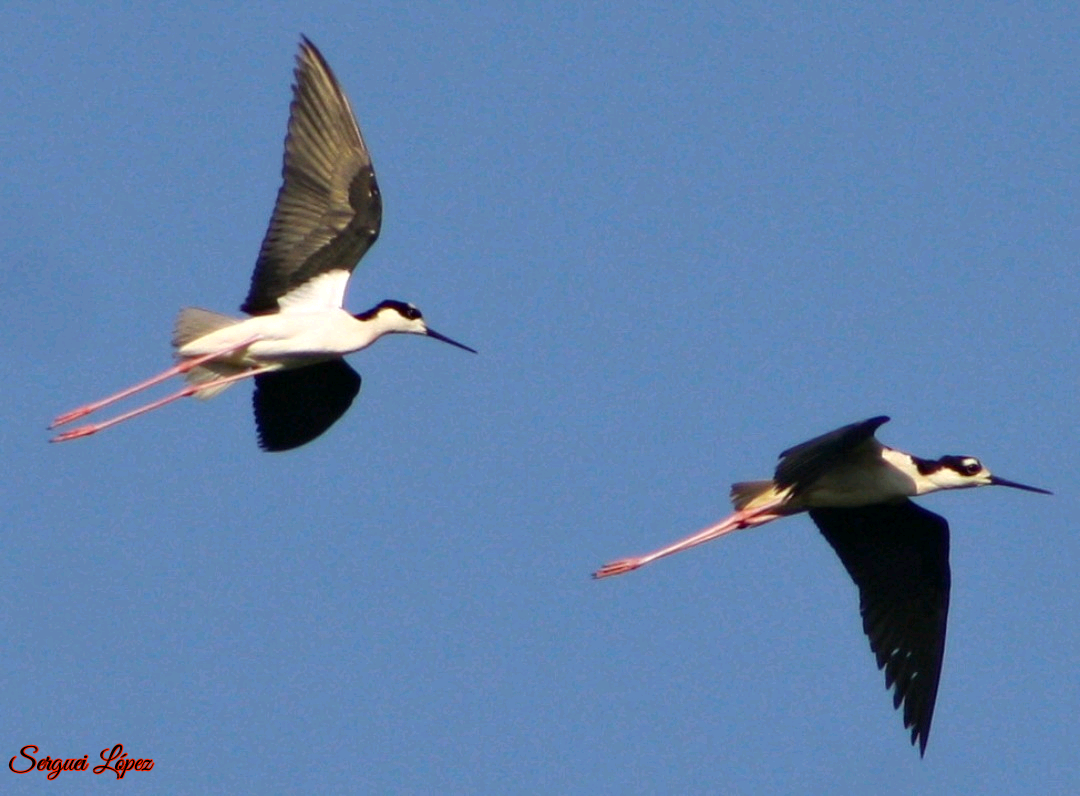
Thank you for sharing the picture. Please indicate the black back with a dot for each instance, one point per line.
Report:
(801, 465)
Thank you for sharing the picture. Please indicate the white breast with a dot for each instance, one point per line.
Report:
(864, 483)
(293, 338)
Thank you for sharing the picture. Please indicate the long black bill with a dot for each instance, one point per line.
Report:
(1004, 482)
(445, 339)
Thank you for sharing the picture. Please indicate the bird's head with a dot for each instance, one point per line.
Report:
(963, 472)
(399, 317)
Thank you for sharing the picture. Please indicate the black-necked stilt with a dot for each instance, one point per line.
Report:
(327, 215)
(857, 491)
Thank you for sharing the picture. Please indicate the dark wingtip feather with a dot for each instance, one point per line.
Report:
(328, 211)
(898, 556)
(293, 407)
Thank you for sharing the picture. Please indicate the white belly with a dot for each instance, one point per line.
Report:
(288, 338)
(860, 485)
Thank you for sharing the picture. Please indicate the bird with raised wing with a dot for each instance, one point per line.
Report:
(857, 492)
(327, 215)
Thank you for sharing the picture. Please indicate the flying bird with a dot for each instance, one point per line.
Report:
(327, 215)
(857, 492)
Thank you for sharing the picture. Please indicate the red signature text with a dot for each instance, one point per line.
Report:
(115, 760)
(119, 763)
(54, 765)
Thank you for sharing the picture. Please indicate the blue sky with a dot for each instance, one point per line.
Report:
(683, 238)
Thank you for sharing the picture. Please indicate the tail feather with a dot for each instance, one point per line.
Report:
(209, 371)
(745, 493)
(193, 323)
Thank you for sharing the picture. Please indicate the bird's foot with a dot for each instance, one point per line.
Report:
(622, 566)
(75, 433)
(74, 414)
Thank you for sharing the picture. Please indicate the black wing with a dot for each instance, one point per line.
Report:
(898, 556)
(293, 407)
(328, 210)
(803, 464)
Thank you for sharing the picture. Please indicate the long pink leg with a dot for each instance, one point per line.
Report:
(191, 389)
(747, 518)
(176, 370)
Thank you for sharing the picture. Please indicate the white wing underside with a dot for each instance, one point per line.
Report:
(324, 292)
